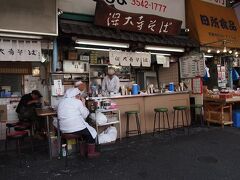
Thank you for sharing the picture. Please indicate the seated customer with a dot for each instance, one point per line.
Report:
(26, 107)
(72, 114)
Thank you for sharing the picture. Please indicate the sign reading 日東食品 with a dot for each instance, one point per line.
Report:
(212, 25)
(112, 17)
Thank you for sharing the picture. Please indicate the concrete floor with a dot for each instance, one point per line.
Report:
(206, 154)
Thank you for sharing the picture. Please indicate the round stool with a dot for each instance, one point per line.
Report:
(138, 130)
(18, 136)
(200, 107)
(182, 110)
(68, 136)
(164, 112)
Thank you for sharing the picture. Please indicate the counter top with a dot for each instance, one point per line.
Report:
(140, 95)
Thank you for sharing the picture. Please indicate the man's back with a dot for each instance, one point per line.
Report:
(71, 114)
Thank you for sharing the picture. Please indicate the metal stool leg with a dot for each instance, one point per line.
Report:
(187, 121)
(127, 126)
(183, 124)
(177, 118)
(173, 119)
(154, 123)
(138, 124)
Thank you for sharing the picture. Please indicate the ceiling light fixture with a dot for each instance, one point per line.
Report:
(20, 36)
(161, 54)
(164, 48)
(218, 51)
(102, 43)
(236, 53)
(208, 56)
(93, 49)
(230, 51)
(224, 49)
(209, 50)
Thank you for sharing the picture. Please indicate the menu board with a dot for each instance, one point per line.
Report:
(192, 66)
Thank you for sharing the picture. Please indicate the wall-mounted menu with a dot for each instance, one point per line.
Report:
(192, 66)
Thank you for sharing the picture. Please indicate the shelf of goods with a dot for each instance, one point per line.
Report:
(113, 118)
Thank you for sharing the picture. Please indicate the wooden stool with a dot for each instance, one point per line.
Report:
(180, 109)
(138, 130)
(158, 112)
(200, 107)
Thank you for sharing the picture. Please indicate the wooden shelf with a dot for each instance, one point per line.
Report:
(99, 64)
(68, 73)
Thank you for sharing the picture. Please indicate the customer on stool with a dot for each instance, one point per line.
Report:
(26, 107)
(82, 88)
(72, 114)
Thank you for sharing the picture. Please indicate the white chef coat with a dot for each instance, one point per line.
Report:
(110, 85)
(72, 114)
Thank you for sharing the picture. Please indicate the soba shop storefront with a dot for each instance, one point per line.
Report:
(26, 51)
(217, 30)
(143, 48)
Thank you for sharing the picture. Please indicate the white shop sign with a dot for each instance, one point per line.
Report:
(217, 2)
(130, 58)
(174, 9)
(20, 50)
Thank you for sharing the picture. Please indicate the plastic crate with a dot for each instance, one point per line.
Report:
(236, 119)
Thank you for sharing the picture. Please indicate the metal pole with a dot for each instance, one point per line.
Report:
(55, 55)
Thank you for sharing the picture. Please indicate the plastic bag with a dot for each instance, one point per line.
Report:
(100, 118)
(107, 136)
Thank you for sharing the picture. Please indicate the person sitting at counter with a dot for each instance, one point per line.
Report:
(72, 113)
(26, 107)
(110, 84)
(82, 88)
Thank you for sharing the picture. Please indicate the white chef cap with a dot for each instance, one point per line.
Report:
(72, 92)
(78, 83)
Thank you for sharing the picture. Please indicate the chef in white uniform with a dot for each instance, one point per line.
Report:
(110, 84)
(82, 88)
(72, 114)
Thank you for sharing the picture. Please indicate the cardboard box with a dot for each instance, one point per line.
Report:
(3, 113)
(72, 55)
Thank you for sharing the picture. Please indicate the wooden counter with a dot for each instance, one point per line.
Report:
(218, 110)
(146, 104)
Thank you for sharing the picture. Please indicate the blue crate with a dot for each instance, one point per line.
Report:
(236, 119)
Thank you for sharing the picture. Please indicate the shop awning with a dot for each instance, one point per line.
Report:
(213, 25)
(88, 30)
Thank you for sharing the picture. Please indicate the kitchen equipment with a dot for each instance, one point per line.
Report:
(171, 86)
(135, 89)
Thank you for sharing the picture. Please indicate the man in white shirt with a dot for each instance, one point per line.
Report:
(72, 114)
(82, 88)
(110, 84)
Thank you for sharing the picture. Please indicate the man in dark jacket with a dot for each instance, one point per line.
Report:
(27, 105)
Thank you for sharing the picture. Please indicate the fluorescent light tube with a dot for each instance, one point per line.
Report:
(94, 49)
(164, 48)
(208, 56)
(102, 43)
(19, 36)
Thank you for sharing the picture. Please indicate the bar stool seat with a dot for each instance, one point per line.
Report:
(164, 112)
(179, 108)
(136, 131)
(182, 110)
(161, 109)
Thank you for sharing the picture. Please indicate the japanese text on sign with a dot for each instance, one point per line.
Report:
(111, 17)
(19, 50)
(218, 23)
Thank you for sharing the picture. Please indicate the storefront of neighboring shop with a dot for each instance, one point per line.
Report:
(26, 49)
(141, 41)
(217, 30)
